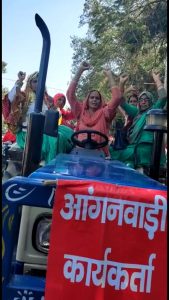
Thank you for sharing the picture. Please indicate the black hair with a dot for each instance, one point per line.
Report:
(132, 95)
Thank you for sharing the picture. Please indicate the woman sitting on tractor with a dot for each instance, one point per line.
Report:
(93, 113)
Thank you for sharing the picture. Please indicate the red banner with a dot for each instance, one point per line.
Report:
(107, 242)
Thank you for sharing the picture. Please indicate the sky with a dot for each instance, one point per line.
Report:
(22, 40)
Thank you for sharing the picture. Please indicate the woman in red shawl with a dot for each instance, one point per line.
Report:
(65, 115)
(93, 113)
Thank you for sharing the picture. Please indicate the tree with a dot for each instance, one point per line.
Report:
(4, 64)
(125, 35)
(4, 90)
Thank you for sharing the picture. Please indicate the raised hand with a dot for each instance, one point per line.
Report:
(107, 72)
(157, 79)
(132, 88)
(156, 76)
(112, 78)
(21, 75)
(19, 82)
(123, 79)
(84, 66)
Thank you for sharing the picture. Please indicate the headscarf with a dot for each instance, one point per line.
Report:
(140, 120)
(132, 95)
(87, 119)
(150, 97)
(30, 95)
(57, 97)
(31, 77)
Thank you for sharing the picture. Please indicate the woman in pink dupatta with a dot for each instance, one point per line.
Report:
(93, 113)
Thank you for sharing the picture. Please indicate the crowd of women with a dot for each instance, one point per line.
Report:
(93, 113)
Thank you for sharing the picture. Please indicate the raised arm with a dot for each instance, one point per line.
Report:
(129, 109)
(71, 92)
(117, 98)
(122, 82)
(125, 91)
(162, 94)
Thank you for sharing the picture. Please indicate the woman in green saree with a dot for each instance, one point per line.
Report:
(139, 150)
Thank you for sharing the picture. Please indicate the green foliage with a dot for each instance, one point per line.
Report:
(4, 90)
(4, 64)
(125, 35)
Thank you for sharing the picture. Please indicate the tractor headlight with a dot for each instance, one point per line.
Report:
(41, 233)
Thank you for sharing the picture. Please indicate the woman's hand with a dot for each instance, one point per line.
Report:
(107, 72)
(84, 66)
(112, 78)
(21, 76)
(123, 79)
(19, 82)
(156, 77)
(132, 88)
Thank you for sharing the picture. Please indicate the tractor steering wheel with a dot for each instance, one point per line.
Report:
(89, 143)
